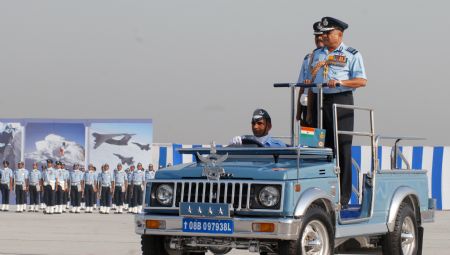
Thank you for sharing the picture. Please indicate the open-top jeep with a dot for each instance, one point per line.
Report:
(283, 201)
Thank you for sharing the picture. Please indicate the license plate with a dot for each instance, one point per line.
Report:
(208, 226)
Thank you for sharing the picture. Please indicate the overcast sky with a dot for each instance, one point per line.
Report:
(199, 68)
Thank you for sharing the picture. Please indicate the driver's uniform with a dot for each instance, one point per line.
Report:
(268, 141)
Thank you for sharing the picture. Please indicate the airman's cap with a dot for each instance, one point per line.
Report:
(49, 161)
(329, 23)
(260, 114)
(317, 28)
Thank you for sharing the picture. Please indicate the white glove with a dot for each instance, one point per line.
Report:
(304, 99)
(236, 140)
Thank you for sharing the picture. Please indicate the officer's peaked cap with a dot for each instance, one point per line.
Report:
(260, 114)
(49, 161)
(317, 27)
(330, 23)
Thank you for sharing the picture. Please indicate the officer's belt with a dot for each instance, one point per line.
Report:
(19, 183)
(74, 183)
(106, 186)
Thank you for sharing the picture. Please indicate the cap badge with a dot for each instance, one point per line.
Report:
(325, 22)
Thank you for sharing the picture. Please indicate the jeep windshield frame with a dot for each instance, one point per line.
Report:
(254, 152)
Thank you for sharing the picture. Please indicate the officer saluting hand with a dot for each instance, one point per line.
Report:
(335, 64)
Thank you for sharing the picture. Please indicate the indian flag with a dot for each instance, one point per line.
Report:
(307, 131)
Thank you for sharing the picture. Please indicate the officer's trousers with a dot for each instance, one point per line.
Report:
(49, 194)
(137, 195)
(129, 197)
(43, 195)
(20, 194)
(345, 122)
(75, 196)
(105, 197)
(89, 195)
(34, 195)
(65, 197)
(118, 196)
(59, 195)
(5, 193)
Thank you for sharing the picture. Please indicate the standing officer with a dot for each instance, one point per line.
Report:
(6, 184)
(150, 173)
(20, 186)
(305, 71)
(66, 198)
(42, 194)
(90, 188)
(120, 186)
(105, 180)
(337, 64)
(129, 195)
(35, 186)
(76, 181)
(50, 179)
(82, 200)
(138, 182)
(60, 187)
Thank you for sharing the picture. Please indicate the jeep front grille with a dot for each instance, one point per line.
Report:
(239, 194)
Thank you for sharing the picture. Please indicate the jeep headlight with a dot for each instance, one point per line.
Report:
(269, 196)
(164, 194)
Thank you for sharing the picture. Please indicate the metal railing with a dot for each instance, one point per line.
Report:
(374, 154)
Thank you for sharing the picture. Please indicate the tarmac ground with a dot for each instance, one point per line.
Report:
(37, 233)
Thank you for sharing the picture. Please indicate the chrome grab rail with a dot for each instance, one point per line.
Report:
(395, 151)
(373, 142)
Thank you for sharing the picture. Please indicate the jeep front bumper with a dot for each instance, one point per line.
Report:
(285, 228)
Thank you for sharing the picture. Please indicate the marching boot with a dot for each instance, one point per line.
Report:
(7, 207)
(52, 209)
(73, 209)
(18, 208)
(139, 210)
(3, 207)
(24, 207)
(31, 208)
(120, 209)
(78, 209)
(107, 210)
(102, 209)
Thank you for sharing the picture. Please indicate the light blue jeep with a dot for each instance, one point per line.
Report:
(282, 201)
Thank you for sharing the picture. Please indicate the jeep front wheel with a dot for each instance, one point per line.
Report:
(316, 235)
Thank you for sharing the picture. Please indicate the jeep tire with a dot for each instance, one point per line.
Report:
(157, 245)
(404, 239)
(316, 235)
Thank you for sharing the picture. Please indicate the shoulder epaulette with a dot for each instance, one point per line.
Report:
(307, 56)
(351, 50)
(318, 49)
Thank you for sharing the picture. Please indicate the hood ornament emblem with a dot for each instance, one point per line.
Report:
(211, 170)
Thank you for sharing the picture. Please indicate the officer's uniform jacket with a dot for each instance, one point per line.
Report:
(75, 178)
(6, 176)
(90, 178)
(34, 178)
(138, 177)
(150, 175)
(344, 63)
(50, 177)
(20, 175)
(105, 179)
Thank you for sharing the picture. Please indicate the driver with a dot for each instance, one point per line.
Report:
(261, 125)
